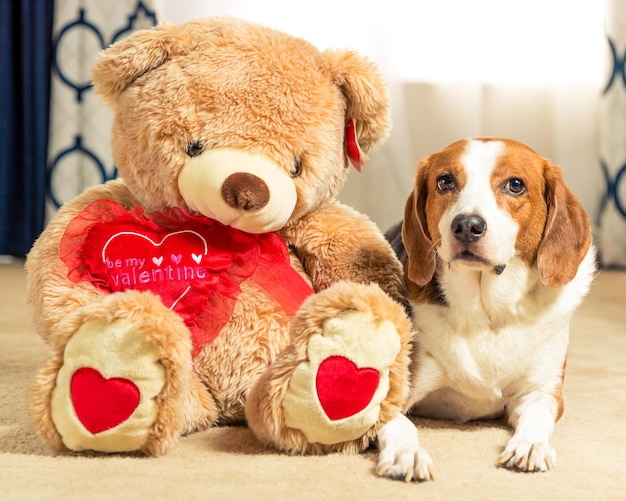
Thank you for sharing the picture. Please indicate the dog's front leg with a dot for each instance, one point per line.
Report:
(400, 455)
(533, 417)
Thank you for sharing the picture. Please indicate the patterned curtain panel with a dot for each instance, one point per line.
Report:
(79, 152)
(612, 223)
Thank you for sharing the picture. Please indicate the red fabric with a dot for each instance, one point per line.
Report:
(343, 389)
(353, 150)
(194, 264)
(275, 274)
(102, 404)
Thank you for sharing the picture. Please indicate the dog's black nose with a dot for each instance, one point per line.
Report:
(468, 229)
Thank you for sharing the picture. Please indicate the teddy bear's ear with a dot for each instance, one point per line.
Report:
(125, 61)
(365, 92)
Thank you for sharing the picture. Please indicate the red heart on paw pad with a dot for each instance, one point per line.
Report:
(100, 403)
(343, 389)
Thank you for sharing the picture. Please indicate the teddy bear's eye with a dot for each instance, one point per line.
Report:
(194, 148)
(297, 168)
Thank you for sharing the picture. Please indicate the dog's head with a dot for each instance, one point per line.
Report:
(479, 202)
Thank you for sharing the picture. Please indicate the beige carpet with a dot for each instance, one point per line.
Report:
(228, 463)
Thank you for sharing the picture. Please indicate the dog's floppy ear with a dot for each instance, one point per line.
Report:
(567, 233)
(419, 247)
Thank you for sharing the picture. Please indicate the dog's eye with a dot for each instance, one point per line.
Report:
(445, 183)
(297, 168)
(514, 186)
(194, 148)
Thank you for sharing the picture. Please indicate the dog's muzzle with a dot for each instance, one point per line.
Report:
(467, 230)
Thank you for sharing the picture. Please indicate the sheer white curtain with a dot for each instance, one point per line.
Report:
(531, 70)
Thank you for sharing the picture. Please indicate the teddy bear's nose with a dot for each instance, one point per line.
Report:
(245, 191)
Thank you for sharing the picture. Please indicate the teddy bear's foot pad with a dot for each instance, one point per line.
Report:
(106, 389)
(335, 395)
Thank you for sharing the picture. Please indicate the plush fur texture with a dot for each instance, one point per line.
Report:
(184, 96)
(497, 255)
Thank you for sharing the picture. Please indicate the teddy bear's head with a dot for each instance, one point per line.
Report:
(236, 121)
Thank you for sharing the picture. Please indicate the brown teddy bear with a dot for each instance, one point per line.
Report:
(218, 279)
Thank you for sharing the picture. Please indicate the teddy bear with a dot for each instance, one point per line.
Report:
(218, 280)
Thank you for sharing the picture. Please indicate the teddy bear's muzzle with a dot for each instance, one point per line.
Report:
(244, 190)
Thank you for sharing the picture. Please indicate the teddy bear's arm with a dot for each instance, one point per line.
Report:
(50, 292)
(337, 243)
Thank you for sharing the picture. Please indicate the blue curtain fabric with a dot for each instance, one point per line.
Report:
(25, 51)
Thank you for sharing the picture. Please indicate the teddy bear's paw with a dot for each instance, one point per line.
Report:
(336, 394)
(344, 375)
(108, 392)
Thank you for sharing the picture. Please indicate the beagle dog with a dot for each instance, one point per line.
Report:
(497, 254)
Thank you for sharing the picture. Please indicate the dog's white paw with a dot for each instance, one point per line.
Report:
(406, 464)
(523, 455)
(401, 456)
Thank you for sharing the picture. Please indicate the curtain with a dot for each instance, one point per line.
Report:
(612, 219)
(25, 43)
(79, 153)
